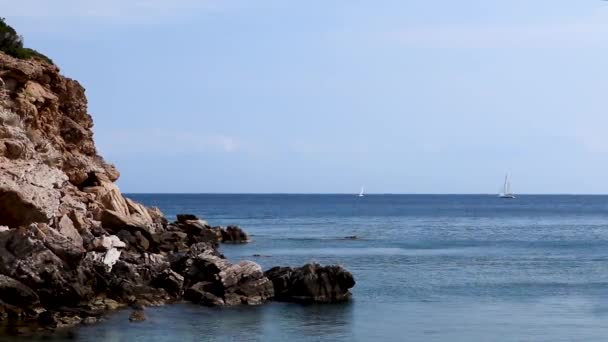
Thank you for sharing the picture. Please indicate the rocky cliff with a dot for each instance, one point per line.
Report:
(72, 246)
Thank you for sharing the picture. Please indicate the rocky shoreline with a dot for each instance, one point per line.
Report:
(72, 247)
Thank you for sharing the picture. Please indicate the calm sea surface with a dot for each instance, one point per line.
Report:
(428, 268)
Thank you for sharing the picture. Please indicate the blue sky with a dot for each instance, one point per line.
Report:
(409, 96)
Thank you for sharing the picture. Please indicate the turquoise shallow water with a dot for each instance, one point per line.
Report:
(428, 268)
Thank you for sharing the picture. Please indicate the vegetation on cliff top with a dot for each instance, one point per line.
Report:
(12, 44)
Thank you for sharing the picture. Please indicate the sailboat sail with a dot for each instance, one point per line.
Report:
(361, 193)
(506, 191)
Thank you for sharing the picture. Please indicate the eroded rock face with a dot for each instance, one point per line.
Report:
(29, 192)
(311, 283)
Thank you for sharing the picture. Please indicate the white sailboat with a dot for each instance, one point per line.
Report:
(361, 193)
(506, 190)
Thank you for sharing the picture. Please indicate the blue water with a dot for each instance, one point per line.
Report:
(428, 268)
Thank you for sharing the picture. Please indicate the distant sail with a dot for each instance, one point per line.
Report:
(361, 193)
(506, 189)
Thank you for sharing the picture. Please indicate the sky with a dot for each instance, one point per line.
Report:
(326, 96)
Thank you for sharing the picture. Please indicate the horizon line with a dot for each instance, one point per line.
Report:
(354, 194)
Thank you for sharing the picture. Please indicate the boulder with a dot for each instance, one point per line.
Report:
(108, 258)
(173, 241)
(105, 243)
(138, 315)
(65, 226)
(196, 229)
(215, 281)
(115, 221)
(58, 243)
(47, 263)
(201, 293)
(15, 293)
(170, 281)
(135, 241)
(183, 218)
(234, 234)
(28, 192)
(311, 283)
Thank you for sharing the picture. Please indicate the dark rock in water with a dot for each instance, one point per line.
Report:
(234, 234)
(90, 320)
(202, 293)
(261, 256)
(182, 218)
(311, 283)
(351, 237)
(138, 315)
(215, 281)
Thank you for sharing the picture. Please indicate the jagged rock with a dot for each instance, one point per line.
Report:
(135, 240)
(139, 211)
(67, 229)
(173, 241)
(113, 220)
(171, 281)
(28, 192)
(201, 293)
(157, 216)
(234, 234)
(80, 221)
(59, 244)
(105, 243)
(217, 282)
(26, 255)
(197, 230)
(311, 283)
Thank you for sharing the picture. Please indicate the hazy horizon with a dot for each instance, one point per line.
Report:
(408, 97)
(354, 194)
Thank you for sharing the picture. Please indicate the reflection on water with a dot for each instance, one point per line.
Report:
(186, 322)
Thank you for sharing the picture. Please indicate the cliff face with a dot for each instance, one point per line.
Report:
(53, 110)
(72, 246)
(49, 166)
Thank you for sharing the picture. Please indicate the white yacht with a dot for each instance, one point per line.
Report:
(506, 190)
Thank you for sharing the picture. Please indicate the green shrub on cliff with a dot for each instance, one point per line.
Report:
(12, 44)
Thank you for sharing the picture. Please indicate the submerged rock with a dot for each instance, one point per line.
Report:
(311, 283)
(138, 315)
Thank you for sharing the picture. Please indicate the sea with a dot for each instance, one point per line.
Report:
(427, 267)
